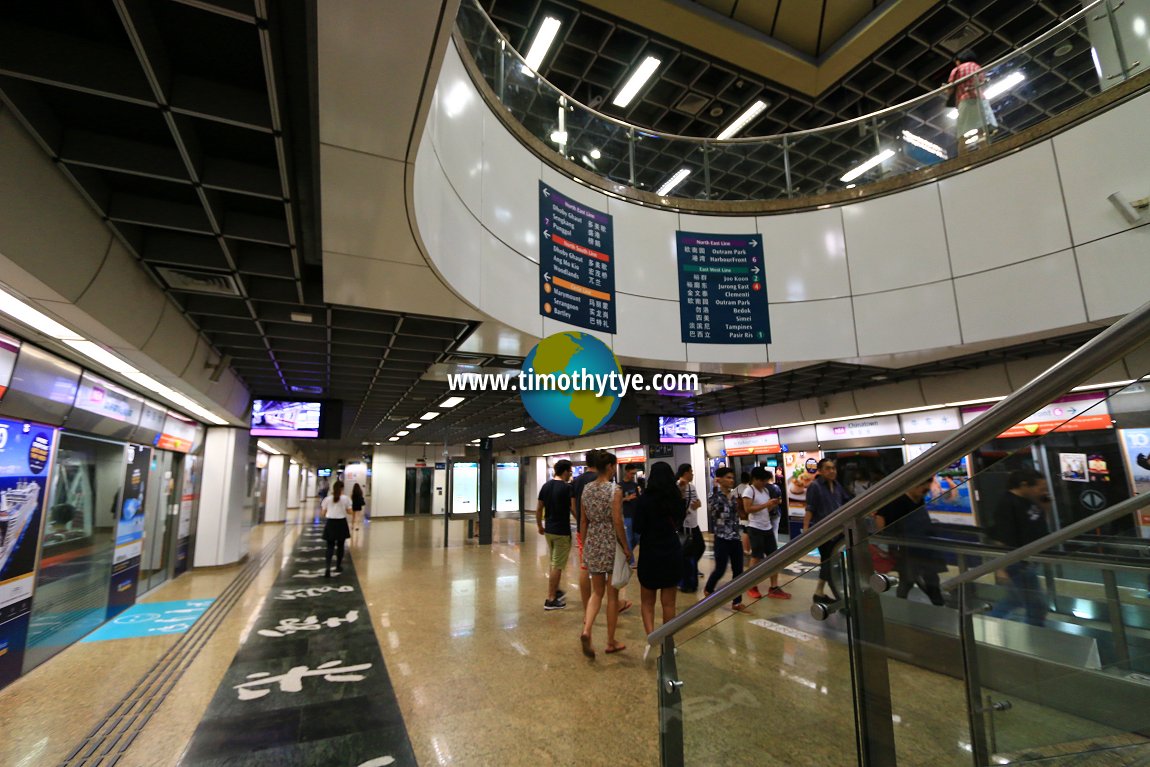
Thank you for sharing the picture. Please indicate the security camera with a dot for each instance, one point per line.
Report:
(1128, 209)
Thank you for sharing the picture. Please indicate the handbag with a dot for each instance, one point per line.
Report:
(621, 572)
(882, 561)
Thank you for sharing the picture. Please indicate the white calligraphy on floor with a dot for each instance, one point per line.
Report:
(312, 591)
(288, 626)
(292, 681)
(309, 574)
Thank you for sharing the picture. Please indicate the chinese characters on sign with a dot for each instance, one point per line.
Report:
(722, 289)
(576, 263)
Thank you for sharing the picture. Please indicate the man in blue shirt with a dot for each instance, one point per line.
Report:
(824, 496)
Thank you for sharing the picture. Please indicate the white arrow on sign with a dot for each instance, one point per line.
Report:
(547, 276)
(754, 243)
(546, 192)
(546, 235)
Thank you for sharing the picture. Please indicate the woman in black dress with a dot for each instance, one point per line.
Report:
(357, 504)
(658, 516)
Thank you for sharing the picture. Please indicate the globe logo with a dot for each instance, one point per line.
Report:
(573, 406)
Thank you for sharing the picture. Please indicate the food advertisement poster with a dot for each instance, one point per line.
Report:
(25, 454)
(800, 468)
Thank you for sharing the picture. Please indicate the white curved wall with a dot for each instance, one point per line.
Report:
(1026, 244)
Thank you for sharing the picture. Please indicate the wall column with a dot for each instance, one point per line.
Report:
(293, 494)
(223, 520)
(275, 509)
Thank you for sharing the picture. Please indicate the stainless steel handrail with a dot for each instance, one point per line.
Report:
(700, 140)
(1110, 345)
(1129, 506)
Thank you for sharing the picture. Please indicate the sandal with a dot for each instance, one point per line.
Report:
(587, 649)
(611, 649)
(627, 605)
(740, 608)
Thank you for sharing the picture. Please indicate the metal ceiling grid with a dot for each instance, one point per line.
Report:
(697, 94)
(189, 127)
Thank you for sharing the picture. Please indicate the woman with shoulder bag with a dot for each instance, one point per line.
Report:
(602, 530)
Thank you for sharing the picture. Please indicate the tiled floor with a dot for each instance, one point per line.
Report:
(484, 676)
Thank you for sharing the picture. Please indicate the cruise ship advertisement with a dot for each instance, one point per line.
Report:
(25, 452)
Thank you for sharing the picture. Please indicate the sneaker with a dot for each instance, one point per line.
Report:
(822, 599)
(774, 592)
(561, 596)
(553, 604)
(754, 593)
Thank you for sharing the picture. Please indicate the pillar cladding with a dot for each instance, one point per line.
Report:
(293, 494)
(277, 500)
(224, 518)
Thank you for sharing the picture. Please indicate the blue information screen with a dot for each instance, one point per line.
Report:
(722, 289)
(576, 262)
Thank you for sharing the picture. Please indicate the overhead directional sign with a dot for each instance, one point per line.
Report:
(576, 262)
(722, 289)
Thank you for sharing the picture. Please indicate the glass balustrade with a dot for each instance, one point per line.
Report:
(1045, 661)
(1073, 60)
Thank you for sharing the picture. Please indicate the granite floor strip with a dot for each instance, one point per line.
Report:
(111, 738)
(309, 685)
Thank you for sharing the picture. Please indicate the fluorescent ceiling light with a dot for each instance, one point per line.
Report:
(742, 120)
(496, 435)
(267, 448)
(402, 433)
(521, 428)
(393, 439)
(451, 401)
(929, 146)
(952, 113)
(673, 181)
(596, 154)
(636, 81)
(999, 87)
(559, 136)
(542, 42)
(99, 354)
(35, 319)
(854, 173)
(414, 425)
(429, 415)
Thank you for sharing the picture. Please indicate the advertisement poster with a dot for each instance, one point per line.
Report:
(189, 494)
(1072, 467)
(129, 531)
(949, 499)
(25, 452)
(722, 289)
(801, 469)
(1136, 446)
(576, 262)
(9, 348)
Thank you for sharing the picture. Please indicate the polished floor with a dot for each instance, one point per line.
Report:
(483, 675)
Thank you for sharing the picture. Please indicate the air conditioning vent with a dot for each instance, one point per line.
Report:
(199, 282)
(692, 103)
(465, 359)
(964, 37)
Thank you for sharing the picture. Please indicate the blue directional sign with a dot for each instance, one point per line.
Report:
(149, 619)
(576, 262)
(722, 289)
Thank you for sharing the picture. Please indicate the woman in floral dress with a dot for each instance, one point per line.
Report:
(601, 527)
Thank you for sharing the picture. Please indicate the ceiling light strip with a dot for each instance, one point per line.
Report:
(542, 42)
(879, 158)
(743, 120)
(636, 81)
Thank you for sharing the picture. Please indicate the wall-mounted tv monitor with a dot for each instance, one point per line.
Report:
(323, 473)
(676, 430)
(285, 418)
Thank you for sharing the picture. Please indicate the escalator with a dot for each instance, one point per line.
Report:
(941, 644)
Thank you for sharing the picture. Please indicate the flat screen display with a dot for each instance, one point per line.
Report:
(676, 430)
(285, 418)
